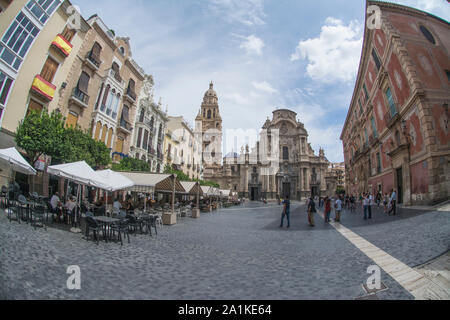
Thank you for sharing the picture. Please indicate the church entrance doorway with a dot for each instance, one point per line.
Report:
(286, 190)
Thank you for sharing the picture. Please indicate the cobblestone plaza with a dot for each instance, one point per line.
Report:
(236, 253)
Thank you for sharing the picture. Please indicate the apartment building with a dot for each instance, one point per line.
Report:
(116, 80)
(150, 126)
(190, 152)
(396, 133)
(38, 47)
(171, 151)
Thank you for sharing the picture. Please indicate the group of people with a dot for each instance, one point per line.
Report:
(349, 202)
(62, 212)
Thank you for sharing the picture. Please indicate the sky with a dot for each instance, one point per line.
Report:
(262, 55)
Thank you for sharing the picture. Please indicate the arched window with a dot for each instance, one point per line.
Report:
(214, 114)
(209, 114)
(105, 98)
(122, 51)
(110, 134)
(116, 106)
(94, 55)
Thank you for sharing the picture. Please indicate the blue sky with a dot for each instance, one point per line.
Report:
(261, 54)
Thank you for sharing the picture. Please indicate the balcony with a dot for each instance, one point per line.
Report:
(92, 62)
(391, 119)
(125, 127)
(43, 88)
(117, 77)
(63, 46)
(131, 95)
(79, 98)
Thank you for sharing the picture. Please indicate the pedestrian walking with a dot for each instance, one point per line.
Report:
(286, 212)
(393, 200)
(327, 209)
(371, 203)
(311, 211)
(386, 202)
(338, 209)
(365, 203)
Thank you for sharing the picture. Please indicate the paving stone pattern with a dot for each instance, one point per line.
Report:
(236, 253)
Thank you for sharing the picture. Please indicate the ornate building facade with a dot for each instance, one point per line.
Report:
(208, 130)
(281, 164)
(396, 134)
(150, 126)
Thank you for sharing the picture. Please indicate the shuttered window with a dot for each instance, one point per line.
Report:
(68, 34)
(105, 130)
(139, 138)
(95, 53)
(97, 130)
(83, 83)
(5, 85)
(35, 106)
(72, 120)
(110, 135)
(49, 70)
(125, 113)
(105, 98)
(119, 145)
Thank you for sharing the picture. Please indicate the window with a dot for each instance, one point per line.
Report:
(366, 92)
(376, 59)
(81, 91)
(34, 106)
(68, 34)
(209, 114)
(105, 130)
(5, 85)
(43, 9)
(72, 120)
(391, 103)
(427, 34)
(139, 138)
(448, 74)
(17, 40)
(145, 142)
(110, 135)
(125, 119)
(378, 163)
(285, 153)
(115, 106)
(97, 130)
(122, 51)
(49, 70)
(94, 55)
(374, 128)
(142, 115)
(105, 98)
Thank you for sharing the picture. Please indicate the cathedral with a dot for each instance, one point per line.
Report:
(282, 163)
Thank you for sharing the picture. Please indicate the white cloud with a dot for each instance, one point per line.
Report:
(253, 45)
(264, 86)
(437, 7)
(335, 54)
(246, 12)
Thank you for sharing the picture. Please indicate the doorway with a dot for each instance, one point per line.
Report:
(253, 194)
(286, 190)
(314, 191)
(400, 185)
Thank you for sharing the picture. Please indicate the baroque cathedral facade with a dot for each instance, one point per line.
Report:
(282, 163)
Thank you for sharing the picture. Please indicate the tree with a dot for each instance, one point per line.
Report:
(41, 133)
(44, 133)
(132, 164)
(184, 177)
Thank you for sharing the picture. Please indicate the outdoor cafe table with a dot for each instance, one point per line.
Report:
(106, 221)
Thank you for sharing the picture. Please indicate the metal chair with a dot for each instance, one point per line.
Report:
(92, 224)
(38, 216)
(13, 211)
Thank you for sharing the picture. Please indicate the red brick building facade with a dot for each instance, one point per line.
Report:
(396, 134)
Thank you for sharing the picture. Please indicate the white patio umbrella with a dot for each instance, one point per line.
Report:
(12, 158)
(116, 180)
(81, 173)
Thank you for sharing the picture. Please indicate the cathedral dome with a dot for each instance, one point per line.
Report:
(211, 92)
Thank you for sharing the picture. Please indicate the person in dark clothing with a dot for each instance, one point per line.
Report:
(286, 212)
(311, 211)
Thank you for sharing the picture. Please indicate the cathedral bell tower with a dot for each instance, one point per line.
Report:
(209, 123)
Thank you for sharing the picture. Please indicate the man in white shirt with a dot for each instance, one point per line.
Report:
(55, 201)
(117, 205)
(338, 207)
(370, 205)
(393, 202)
